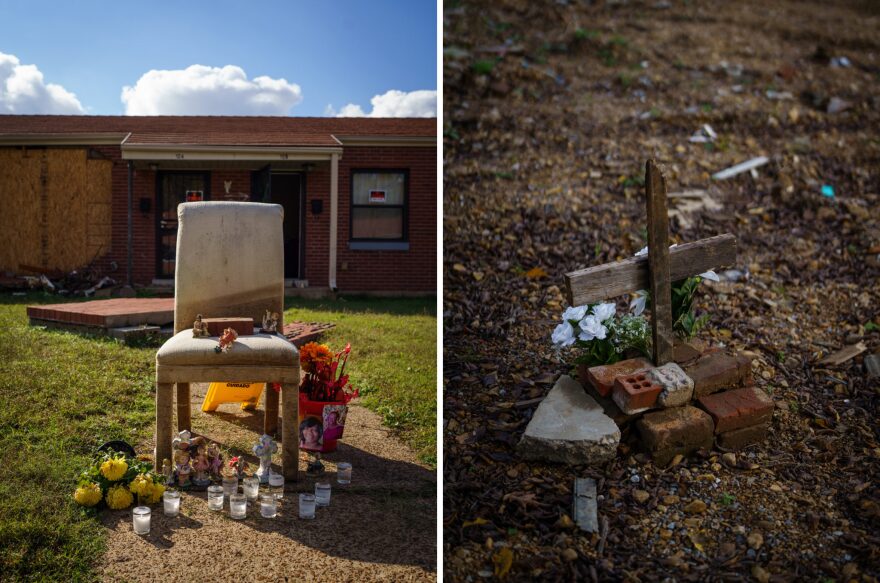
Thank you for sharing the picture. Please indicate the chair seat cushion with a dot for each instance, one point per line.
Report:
(254, 350)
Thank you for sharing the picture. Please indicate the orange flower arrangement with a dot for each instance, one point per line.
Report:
(313, 353)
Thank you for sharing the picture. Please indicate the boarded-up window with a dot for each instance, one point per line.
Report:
(378, 205)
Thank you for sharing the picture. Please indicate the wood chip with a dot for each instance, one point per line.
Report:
(844, 354)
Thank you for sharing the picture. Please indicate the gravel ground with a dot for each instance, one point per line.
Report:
(381, 527)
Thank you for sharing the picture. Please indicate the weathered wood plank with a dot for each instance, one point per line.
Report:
(164, 404)
(584, 508)
(184, 407)
(610, 280)
(290, 431)
(658, 261)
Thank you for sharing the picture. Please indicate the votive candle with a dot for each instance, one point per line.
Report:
(230, 485)
(237, 506)
(141, 517)
(267, 506)
(276, 485)
(171, 501)
(322, 494)
(251, 487)
(215, 497)
(307, 506)
(343, 473)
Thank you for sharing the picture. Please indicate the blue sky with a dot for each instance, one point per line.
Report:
(330, 53)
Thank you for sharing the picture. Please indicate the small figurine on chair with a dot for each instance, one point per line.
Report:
(201, 466)
(200, 329)
(229, 336)
(264, 450)
(182, 468)
(270, 322)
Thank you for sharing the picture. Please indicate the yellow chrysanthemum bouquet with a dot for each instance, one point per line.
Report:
(116, 480)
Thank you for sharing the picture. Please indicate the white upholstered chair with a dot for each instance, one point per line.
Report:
(230, 262)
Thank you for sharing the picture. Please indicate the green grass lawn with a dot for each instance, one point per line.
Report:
(62, 395)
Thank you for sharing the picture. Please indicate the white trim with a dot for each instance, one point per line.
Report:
(334, 212)
(193, 152)
(77, 139)
(406, 141)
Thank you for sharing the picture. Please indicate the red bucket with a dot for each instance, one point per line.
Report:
(321, 423)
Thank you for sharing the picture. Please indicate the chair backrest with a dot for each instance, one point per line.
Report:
(230, 261)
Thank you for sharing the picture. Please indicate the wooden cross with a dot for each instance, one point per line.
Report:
(657, 271)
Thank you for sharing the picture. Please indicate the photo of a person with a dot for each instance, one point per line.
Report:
(311, 434)
(334, 421)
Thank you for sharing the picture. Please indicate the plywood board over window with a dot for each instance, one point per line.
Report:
(56, 204)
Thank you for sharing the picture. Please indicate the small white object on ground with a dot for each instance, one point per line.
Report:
(740, 168)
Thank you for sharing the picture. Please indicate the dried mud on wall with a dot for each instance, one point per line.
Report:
(54, 208)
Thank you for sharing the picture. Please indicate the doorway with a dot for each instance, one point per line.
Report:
(287, 190)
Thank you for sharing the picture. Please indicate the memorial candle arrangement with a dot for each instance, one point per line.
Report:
(237, 506)
(307, 506)
(322, 494)
(215, 497)
(141, 519)
(343, 473)
(171, 502)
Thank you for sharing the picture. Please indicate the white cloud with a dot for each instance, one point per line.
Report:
(394, 103)
(23, 90)
(201, 90)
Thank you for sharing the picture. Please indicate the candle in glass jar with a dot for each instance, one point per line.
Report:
(230, 485)
(237, 506)
(343, 473)
(251, 487)
(322, 494)
(307, 506)
(215, 497)
(141, 517)
(171, 501)
(267, 506)
(276, 485)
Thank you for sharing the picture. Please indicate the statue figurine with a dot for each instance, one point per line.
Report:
(200, 466)
(200, 329)
(239, 466)
(270, 322)
(229, 336)
(182, 468)
(182, 441)
(264, 450)
(167, 471)
(214, 459)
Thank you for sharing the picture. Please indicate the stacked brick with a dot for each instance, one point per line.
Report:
(705, 397)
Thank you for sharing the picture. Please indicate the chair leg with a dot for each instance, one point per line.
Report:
(164, 402)
(289, 433)
(270, 419)
(184, 414)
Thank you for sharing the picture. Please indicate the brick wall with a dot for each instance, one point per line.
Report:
(412, 271)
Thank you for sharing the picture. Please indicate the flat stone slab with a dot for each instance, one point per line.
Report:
(677, 386)
(584, 508)
(569, 427)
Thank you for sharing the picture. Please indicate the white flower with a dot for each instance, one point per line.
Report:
(563, 335)
(575, 313)
(604, 311)
(710, 275)
(642, 251)
(592, 328)
(637, 305)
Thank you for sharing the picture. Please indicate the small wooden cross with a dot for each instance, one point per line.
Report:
(657, 271)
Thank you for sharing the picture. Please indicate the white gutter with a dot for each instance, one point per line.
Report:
(195, 152)
(334, 211)
(385, 141)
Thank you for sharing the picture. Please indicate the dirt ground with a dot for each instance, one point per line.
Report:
(381, 527)
(550, 112)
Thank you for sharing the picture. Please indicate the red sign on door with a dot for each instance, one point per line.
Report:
(195, 195)
(377, 196)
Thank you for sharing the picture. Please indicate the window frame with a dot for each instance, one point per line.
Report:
(373, 244)
(159, 175)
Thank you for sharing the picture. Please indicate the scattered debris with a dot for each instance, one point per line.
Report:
(827, 191)
(584, 507)
(740, 168)
(840, 62)
(844, 354)
(836, 105)
(872, 365)
(703, 135)
(779, 95)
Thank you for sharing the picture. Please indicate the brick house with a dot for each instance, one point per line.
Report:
(359, 194)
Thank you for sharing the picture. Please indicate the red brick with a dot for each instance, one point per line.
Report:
(602, 377)
(680, 430)
(718, 371)
(738, 408)
(635, 393)
(740, 438)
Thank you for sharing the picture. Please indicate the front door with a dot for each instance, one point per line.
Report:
(286, 190)
(173, 188)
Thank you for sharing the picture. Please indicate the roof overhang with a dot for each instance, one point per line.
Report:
(255, 153)
(406, 141)
(80, 139)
